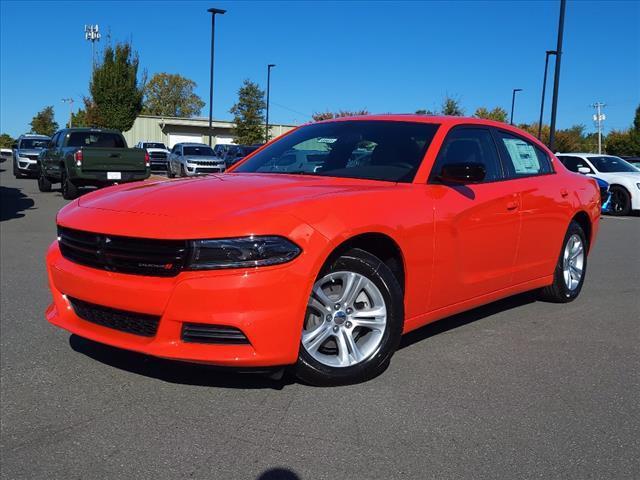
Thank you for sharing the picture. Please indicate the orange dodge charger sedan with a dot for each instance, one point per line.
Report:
(323, 247)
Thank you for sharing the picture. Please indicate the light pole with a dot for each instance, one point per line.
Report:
(513, 102)
(556, 78)
(213, 12)
(266, 128)
(70, 102)
(544, 89)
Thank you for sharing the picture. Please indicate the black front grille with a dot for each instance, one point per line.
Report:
(130, 322)
(160, 155)
(204, 333)
(140, 256)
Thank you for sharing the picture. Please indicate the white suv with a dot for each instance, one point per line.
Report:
(623, 178)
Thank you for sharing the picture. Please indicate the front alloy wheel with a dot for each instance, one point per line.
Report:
(353, 321)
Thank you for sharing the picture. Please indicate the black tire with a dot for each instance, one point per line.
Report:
(16, 171)
(69, 190)
(44, 185)
(311, 371)
(183, 173)
(620, 201)
(558, 291)
(170, 173)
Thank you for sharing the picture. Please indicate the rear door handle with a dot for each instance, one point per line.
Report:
(512, 205)
(564, 192)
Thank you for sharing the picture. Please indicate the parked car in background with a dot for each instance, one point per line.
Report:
(623, 178)
(158, 155)
(188, 159)
(635, 161)
(605, 194)
(237, 153)
(6, 154)
(324, 270)
(25, 154)
(77, 157)
(221, 149)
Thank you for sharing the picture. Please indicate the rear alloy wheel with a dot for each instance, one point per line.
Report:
(353, 322)
(183, 173)
(571, 268)
(69, 190)
(44, 185)
(620, 201)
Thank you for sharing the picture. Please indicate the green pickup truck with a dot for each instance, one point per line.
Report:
(77, 157)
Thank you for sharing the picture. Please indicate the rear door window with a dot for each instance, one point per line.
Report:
(521, 157)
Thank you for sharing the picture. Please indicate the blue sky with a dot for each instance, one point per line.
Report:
(383, 56)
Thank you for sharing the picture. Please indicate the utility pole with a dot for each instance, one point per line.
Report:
(213, 12)
(266, 127)
(544, 90)
(556, 78)
(598, 118)
(70, 102)
(513, 102)
(92, 34)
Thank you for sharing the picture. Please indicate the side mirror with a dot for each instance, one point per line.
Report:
(14, 145)
(461, 173)
(584, 170)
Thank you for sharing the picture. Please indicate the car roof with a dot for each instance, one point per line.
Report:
(32, 135)
(587, 155)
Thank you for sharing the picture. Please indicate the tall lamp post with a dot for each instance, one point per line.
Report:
(213, 12)
(513, 102)
(70, 102)
(544, 89)
(266, 128)
(556, 78)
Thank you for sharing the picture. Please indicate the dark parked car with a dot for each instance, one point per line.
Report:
(238, 152)
(90, 157)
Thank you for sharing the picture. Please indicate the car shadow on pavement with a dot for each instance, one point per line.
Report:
(174, 371)
(460, 319)
(278, 474)
(13, 203)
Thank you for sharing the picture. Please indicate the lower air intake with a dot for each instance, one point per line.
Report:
(204, 333)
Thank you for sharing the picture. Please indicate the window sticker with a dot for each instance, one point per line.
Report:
(523, 156)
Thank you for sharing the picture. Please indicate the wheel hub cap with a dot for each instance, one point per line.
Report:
(573, 262)
(346, 319)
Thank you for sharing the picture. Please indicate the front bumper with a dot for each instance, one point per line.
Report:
(27, 165)
(194, 169)
(266, 304)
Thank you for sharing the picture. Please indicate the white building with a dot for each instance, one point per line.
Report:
(172, 130)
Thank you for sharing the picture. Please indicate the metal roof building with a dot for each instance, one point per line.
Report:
(172, 130)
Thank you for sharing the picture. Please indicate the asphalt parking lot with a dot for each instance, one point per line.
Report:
(516, 389)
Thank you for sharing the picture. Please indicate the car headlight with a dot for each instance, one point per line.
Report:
(254, 251)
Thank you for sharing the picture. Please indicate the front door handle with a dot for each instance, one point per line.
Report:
(564, 192)
(512, 205)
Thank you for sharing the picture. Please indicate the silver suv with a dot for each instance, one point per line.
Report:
(25, 154)
(188, 159)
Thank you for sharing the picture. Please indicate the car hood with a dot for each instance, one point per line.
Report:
(202, 158)
(226, 204)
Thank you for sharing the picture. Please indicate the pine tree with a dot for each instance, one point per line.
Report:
(248, 114)
(116, 96)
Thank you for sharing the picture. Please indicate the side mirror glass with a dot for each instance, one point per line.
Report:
(461, 173)
(584, 170)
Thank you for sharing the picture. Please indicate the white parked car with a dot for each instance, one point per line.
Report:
(623, 178)
(188, 159)
(158, 154)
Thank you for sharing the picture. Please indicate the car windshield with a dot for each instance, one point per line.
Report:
(199, 151)
(34, 143)
(96, 139)
(244, 151)
(611, 165)
(374, 150)
(155, 145)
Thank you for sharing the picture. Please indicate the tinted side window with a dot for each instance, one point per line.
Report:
(574, 163)
(523, 158)
(469, 145)
(54, 140)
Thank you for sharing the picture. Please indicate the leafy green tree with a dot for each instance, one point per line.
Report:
(424, 111)
(498, 114)
(172, 95)
(6, 140)
(116, 94)
(248, 114)
(318, 116)
(625, 143)
(44, 122)
(451, 106)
